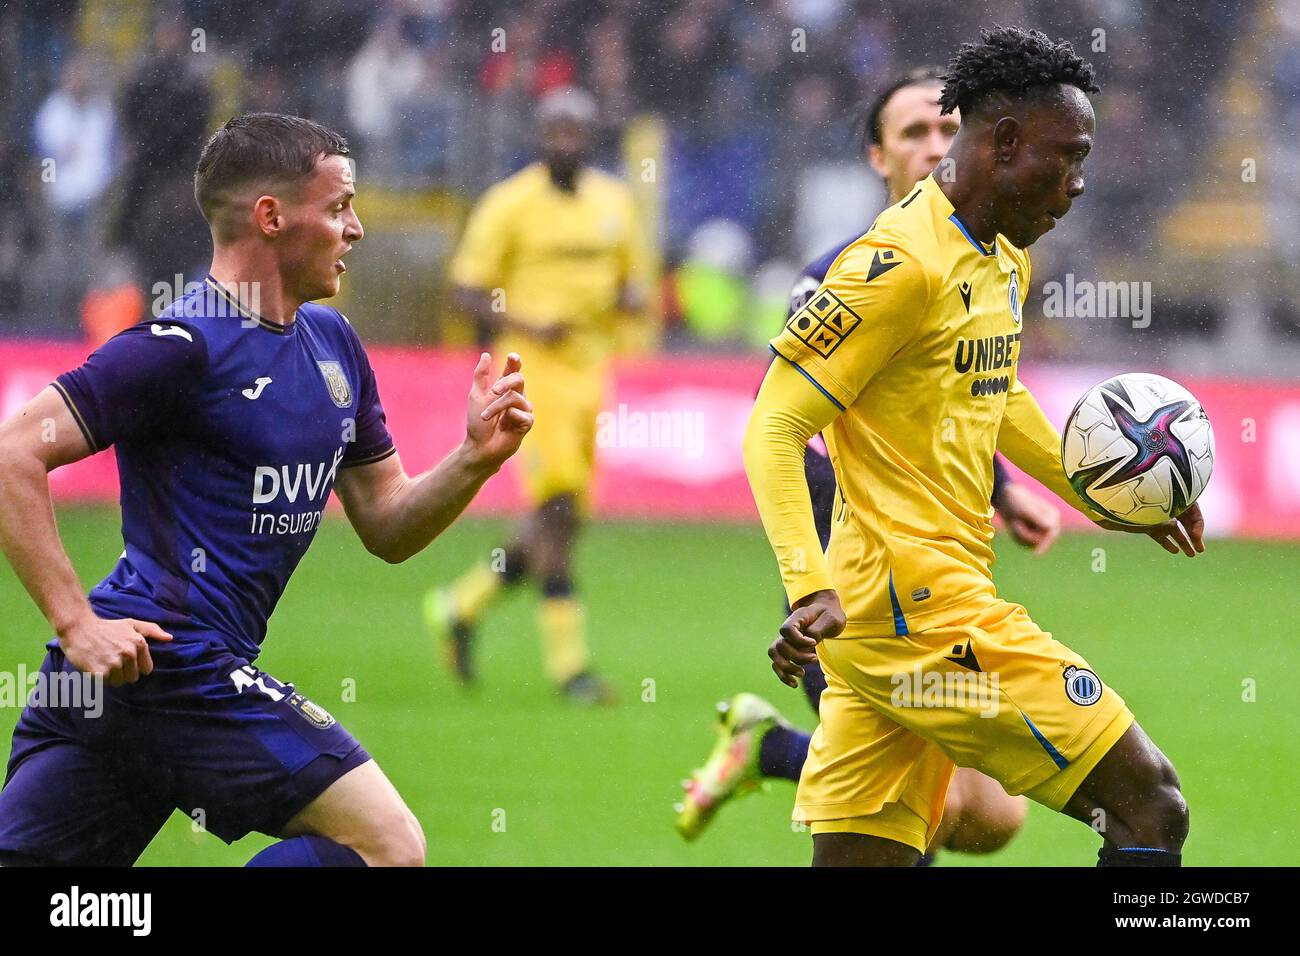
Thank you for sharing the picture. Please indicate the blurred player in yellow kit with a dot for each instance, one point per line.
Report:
(905, 359)
(548, 258)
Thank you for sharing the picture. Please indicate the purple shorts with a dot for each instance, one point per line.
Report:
(90, 782)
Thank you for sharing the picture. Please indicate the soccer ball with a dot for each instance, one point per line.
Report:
(1138, 448)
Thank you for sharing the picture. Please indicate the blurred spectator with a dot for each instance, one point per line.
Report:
(609, 58)
(677, 58)
(770, 302)
(386, 72)
(755, 98)
(520, 64)
(75, 128)
(711, 286)
(166, 118)
(41, 30)
(403, 102)
(73, 136)
(18, 227)
(114, 301)
(720, 169)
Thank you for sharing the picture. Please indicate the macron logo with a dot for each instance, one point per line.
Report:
(252, 394)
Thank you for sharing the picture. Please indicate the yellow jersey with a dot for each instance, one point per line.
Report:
(552, 257)
(912, 341)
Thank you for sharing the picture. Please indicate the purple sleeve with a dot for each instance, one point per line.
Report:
(1000, 481)
(373, 442)
(136, 382)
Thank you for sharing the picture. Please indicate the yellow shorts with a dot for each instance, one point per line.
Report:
(559, 455)
(993, 692)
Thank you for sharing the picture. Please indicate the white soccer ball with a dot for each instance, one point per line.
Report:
(1138, 448)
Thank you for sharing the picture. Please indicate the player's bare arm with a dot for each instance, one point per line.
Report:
(495, 322)
(39, 437)
(396, 515)
(1031, 520)
(632, 297)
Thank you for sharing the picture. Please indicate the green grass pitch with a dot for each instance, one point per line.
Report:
(510, 775)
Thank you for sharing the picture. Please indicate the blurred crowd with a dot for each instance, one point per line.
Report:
(755, 105)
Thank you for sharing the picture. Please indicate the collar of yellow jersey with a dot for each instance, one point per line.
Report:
(931, 186)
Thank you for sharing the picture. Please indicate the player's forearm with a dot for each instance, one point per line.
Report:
(478, 304)
(784, 418)
(1033, 444)
(29, 538)
(632, 297)
(421, 508)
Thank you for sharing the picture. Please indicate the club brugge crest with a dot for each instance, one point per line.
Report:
(337, 383)
(1082, 686)
(1013, 296)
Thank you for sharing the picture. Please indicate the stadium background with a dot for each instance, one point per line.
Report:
(735, 124)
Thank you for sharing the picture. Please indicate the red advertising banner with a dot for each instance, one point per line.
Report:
(669, 438)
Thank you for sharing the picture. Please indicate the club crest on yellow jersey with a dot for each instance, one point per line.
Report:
(1013, 296)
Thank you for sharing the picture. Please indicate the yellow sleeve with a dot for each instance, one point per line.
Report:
(863, 314)
(479, 262)
(1033, 444)
(634, 256)
(787, 413)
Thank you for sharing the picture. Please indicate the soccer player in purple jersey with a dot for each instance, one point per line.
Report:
(905, 136)
(233, 415)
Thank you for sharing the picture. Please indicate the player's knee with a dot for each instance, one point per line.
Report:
(420, 838)
(400, 843)
(858, 849)
(1160, 817)
(558, 517)
(979, 816)
(1174, 818)
(995, 823)
(419, 846)
(411, 848)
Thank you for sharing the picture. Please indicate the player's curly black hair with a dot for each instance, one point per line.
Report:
(1011, 61)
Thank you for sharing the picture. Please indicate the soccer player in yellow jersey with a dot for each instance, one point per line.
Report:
(905, 359)
(548, 257)
(905, 136)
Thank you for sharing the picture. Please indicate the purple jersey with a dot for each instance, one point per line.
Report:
(229, 431)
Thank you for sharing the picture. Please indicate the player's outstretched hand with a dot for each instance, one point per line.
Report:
(116, 650)
(1183, 534)
(1030, 518)
(499, 415)
(816, 616)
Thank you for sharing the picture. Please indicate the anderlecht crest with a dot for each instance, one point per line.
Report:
(337, 383)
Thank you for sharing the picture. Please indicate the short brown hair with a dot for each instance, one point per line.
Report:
(269, 148)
